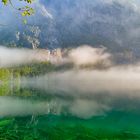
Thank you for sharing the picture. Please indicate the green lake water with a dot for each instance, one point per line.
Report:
(62, 125)
(28, 114)
(53, 127)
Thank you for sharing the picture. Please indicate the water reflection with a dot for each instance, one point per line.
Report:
(45, 113)
(27, 101)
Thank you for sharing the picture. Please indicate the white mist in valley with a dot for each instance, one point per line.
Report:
(98, 74)
(13, 57)
(80, 92)
(83, 55)
(93, 92)
(87, 55)
(115, 81)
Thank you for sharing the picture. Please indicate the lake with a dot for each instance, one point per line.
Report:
(30, 113)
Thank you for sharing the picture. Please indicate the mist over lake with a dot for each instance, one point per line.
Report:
(69, 70)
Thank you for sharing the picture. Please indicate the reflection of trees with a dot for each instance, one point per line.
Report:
(10, 78)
